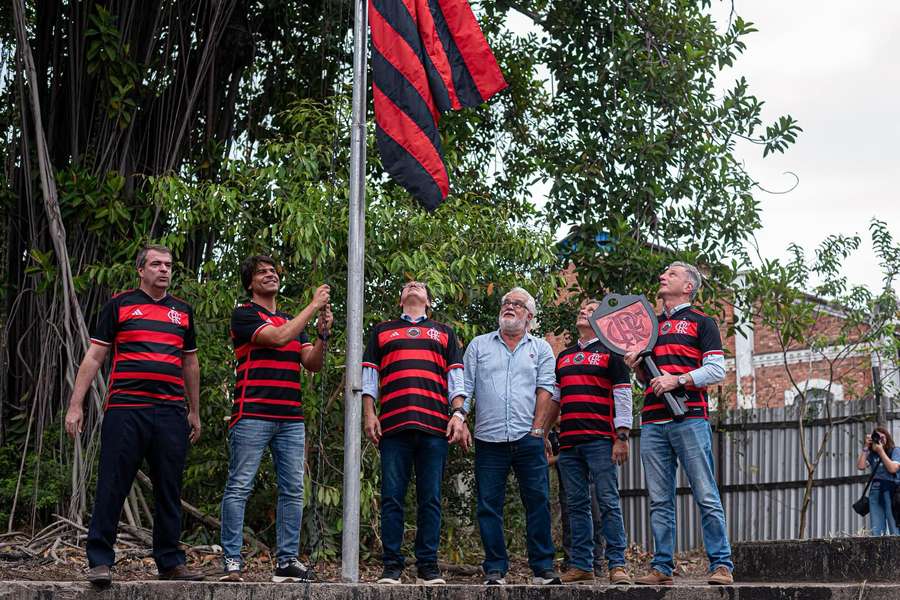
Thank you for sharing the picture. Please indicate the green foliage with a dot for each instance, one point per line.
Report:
(635, 138)
(226, 136)
(45, 479)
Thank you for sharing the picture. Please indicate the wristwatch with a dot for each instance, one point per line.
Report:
(538, 432)
(323, 336)
(622, 436)
(682, 380)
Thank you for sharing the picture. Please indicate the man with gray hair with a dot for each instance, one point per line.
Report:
(689, 354)
(511, 375)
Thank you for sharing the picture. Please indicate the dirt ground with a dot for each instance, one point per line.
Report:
(68, 563)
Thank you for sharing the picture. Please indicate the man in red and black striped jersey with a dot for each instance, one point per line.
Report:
(412, 368)
(594, 395)
(270, 346)
(689, 354)
(154, 367)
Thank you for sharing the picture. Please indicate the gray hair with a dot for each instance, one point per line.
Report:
(693, 274)
(141, 258)
(530, 304)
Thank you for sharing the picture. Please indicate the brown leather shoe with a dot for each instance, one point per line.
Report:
(575, 575)
(654, 577)
(721, 576)
(619, 576)
(99, 575)
(181, 573)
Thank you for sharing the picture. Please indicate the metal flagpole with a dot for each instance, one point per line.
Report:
(355, 277)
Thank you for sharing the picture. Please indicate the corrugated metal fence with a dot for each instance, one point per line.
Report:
(762, 476)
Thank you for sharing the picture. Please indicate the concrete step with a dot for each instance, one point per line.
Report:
(167, 590)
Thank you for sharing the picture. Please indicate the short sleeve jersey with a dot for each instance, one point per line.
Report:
(684, 340)
(586, 379)
(412, 360)
(267, 380)
(149, 339)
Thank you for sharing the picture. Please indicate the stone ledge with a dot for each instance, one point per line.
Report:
(836, 559)
(165, 590)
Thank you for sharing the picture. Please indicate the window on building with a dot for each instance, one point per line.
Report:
(815, 395)
(818, 391)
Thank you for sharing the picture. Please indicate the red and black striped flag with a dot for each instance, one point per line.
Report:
(428, 57)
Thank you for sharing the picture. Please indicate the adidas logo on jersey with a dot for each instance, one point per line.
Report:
(137, 313)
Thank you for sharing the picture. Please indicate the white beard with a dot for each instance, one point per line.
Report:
(512, 325)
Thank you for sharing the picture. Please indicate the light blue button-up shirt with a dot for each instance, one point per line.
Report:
(505, 383)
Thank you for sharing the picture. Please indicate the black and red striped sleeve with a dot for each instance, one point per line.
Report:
(619, 373)
(190, 336)
(453, 352)
(708, 337)
(245, 323)
(372, 353)
(108, 325)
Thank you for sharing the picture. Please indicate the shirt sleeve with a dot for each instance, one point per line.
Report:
(304, 340)
(713, 366)
(453, 352)
(190, 336)
(370, 382)
(546, 372)
(470, 372)
(246, 323)
(556, 392)
(454, 358)
(622, 399)
(108, 325)
(372, 354)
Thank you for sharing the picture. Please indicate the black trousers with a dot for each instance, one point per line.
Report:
(158, 433)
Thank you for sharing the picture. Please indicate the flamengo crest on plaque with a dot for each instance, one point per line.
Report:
(628, 324)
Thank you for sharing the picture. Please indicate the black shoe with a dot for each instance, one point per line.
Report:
(293, 571)
(391, 576)
(548, 577)
(429, 575)
(494, 578)
(99, 575)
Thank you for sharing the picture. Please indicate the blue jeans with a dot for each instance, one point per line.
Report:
(599, 542)
(247, 441)
(585, 466)
(400, 454)
(492, 463)
(663, 446)
(880, 514)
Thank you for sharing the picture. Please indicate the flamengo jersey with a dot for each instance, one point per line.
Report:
(586, 379)
(149, 338)
(684, 340)
(412, 360)
(267, 380)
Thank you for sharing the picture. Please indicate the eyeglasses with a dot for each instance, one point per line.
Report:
(514, 303)
(414, 284)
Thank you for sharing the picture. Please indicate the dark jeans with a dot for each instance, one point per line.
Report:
(599, 542)
(493, 461)
(400, 453)
(129, 435)
(589, 472)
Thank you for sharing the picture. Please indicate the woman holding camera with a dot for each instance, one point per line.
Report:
(880, 454)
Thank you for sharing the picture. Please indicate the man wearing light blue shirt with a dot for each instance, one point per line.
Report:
(511, 375)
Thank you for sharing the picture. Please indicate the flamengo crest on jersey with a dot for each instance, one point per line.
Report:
(267, 380)
(149, 338)
(412, 360)
(684, 340)
(586, 379)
